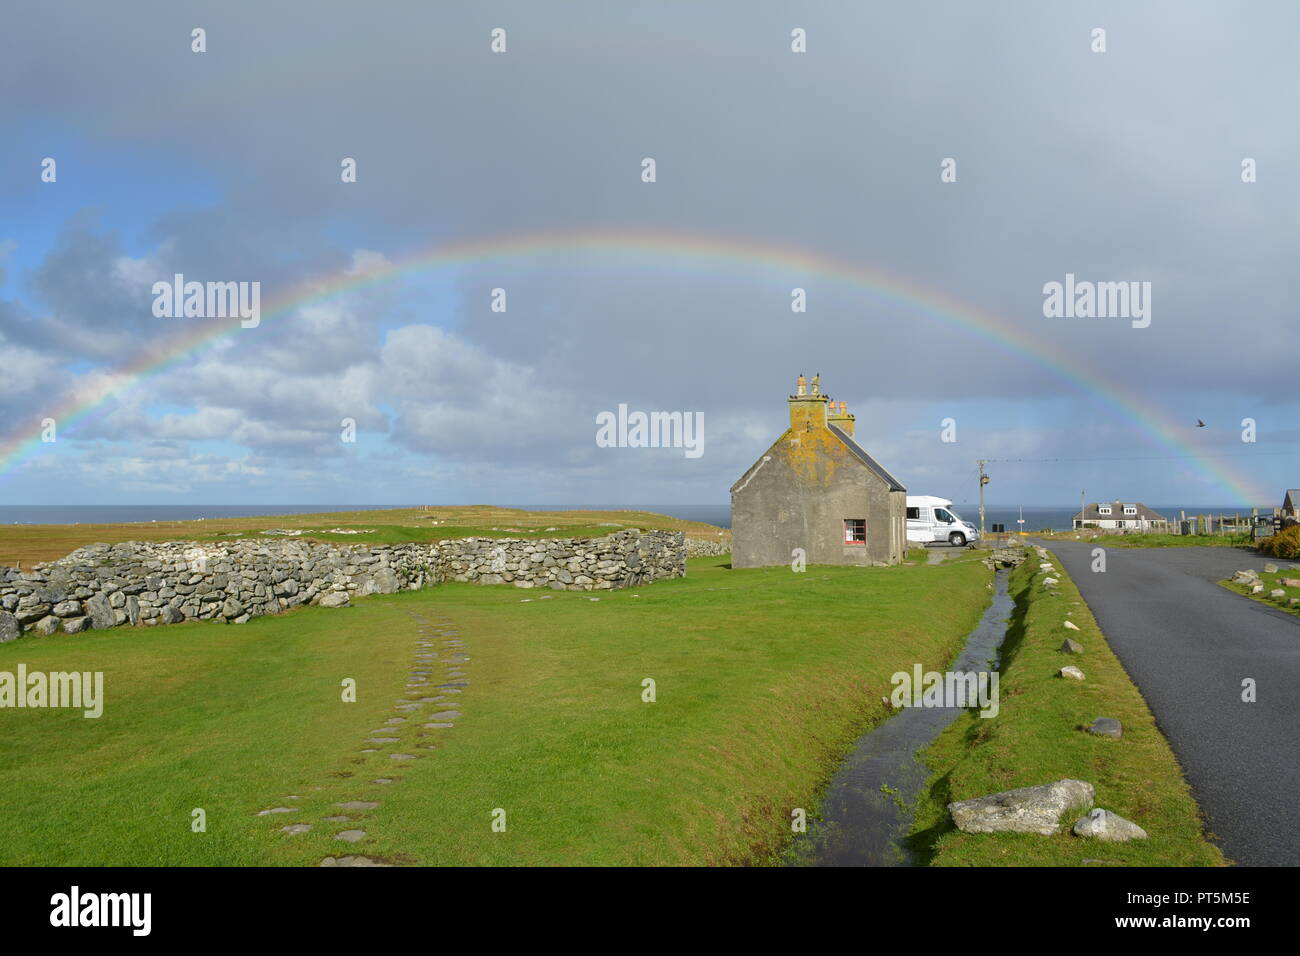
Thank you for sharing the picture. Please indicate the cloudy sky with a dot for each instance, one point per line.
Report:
(523, 171)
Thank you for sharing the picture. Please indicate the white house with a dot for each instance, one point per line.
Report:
(1120, 515)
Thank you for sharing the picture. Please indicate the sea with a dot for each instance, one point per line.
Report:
(1056, 518)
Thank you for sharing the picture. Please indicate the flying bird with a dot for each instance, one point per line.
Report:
(1199, 423)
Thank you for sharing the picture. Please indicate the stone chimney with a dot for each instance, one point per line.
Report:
(841, 419)
(808, 411)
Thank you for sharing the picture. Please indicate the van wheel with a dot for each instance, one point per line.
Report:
(957, 539)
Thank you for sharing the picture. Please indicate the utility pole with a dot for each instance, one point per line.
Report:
(1082, 507)
(984, 480)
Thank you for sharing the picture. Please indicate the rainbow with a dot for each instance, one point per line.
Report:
(640, 249)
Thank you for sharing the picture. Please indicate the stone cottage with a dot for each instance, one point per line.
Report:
(817, 489)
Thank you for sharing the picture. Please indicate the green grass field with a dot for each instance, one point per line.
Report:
(764, 678)
(1038, 737)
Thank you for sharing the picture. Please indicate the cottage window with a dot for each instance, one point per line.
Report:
(855, 530)
(1130, 510)
(1104, 510)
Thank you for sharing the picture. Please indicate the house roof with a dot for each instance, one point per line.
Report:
(861, 455)
(1292, 495)
(1091, 513)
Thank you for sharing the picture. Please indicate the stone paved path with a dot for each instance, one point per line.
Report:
(408, 727)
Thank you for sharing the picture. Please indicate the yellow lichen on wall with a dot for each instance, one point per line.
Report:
(814, 455)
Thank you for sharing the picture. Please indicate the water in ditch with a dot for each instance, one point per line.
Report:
(867, 808)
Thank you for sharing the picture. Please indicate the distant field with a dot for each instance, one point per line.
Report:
(33, 543)
(764, 678)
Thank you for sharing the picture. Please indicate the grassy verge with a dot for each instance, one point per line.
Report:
(32, 543)
(1039, 737)
(1272, 581)
(764, 678)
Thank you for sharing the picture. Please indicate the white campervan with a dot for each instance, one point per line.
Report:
(932, 519)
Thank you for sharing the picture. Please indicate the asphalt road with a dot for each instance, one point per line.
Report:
(1188, 643)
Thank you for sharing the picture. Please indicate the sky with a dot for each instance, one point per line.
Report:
(523, 171)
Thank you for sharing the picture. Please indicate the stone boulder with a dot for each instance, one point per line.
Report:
(1071, 626)
(385, 581)
(1106, 727)
(1103, 825)
(1072, 647)
(100, 612)
(10, 629)
(1071, 672)
(334, 599)
(1026, 810)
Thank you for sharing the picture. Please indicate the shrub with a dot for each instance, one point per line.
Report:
(1284, 544)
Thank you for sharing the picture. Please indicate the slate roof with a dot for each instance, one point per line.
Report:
(861, 455)
(1292, 496)
(1091, 513)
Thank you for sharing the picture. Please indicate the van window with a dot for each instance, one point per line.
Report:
(913, 514)
(855, 530)
(941, 515)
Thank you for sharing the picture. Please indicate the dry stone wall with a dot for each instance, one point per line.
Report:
(701, 548)
(101, 586)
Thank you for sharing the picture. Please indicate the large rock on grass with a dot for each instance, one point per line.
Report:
(1026, 810)
(1106, 727)
(1103, 825)
(10, 629)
